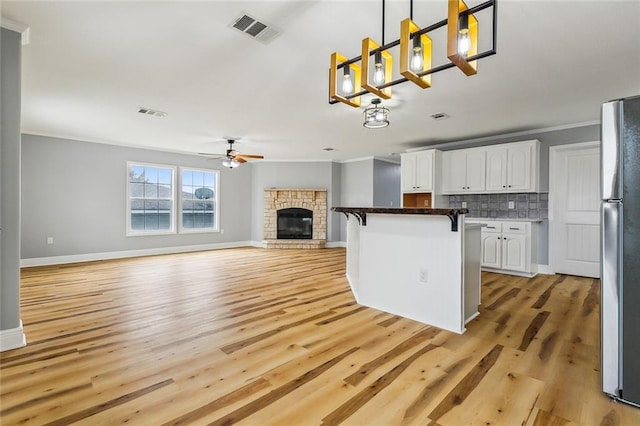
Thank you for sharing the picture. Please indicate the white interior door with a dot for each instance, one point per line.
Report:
(574, 220)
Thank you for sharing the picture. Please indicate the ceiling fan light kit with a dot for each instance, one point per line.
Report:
(358, 78)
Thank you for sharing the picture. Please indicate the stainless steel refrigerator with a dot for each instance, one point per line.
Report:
(620, 263)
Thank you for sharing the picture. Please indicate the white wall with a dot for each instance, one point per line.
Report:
(75, 192)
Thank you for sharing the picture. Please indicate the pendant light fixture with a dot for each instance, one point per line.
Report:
(359, 78)
(376, 116)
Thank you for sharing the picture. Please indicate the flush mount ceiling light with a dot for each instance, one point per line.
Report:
(376, 116)
(349, 79)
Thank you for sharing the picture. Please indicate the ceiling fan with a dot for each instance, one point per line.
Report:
(233, 158)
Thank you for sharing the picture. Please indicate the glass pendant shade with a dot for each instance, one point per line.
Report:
(378, 73)
(417, 61)
(347, 82)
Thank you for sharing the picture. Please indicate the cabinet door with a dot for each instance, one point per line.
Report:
(491, 250)
(454, 165)
(519, 168)
(514, 252)
(497, 170)
(424, 171)
(408, 172)
(475, 169)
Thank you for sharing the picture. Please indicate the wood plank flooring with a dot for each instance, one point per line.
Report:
(274, 337)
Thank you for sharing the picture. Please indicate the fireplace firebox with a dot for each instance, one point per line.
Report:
(295, 224)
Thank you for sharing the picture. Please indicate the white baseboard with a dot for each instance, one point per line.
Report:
(545, 269)
(334, 244)
(58, 260)
(258, 244)
(12, 338)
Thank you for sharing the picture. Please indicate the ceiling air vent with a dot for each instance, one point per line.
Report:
(439, 116)
(255, 29)
(154, 112)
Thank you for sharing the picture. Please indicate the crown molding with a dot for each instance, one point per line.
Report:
(18, 27)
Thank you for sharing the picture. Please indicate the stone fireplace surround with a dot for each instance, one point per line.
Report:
(314, 199)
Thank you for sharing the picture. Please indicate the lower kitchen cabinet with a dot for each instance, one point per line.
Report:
(508, 247)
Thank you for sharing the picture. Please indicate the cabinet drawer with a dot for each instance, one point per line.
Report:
(515, 228)
(492, 227)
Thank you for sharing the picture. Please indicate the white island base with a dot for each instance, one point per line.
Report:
(415, 266)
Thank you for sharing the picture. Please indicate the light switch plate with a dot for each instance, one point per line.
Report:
(512, 204)
(464, 204)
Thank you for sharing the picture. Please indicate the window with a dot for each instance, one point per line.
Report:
(150, 206)
(198, 200)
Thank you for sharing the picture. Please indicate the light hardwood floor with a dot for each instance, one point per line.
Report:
(274, 337)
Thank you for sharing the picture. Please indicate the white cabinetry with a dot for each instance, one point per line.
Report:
(463, 171)
(513, 167)
(508, 246)
(417, 171)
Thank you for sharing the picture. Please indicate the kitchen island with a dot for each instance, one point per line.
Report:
(422, 264)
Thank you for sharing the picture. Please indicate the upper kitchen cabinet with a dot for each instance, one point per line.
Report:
(420, 172)
(417, 171)
(463, 171)
(513, 167)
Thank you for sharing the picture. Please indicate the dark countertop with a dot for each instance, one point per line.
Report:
(362, 212)
(399, 210)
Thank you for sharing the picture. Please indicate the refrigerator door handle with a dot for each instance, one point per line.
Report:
(611, 150)
(611, 241)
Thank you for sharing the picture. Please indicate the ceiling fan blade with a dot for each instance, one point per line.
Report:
(239, 159)
(211, 154)
(250, 156)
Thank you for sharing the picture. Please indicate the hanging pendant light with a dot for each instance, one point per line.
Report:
(376, 116)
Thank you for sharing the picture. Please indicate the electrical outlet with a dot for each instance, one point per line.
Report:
(49, 240)
(512, 204)
(424, 275)
(464, 204)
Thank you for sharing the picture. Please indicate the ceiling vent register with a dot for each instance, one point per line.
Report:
(255, 29)
(153, 112)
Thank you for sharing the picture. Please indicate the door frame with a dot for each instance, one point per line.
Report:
(553, 190)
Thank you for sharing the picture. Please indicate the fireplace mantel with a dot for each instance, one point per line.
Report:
(314, 199)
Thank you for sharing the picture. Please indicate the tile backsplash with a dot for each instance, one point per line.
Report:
(526, 205)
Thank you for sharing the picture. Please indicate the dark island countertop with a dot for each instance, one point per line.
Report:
(361, 213)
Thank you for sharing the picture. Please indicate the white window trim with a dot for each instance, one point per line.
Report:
(172, 230)
(216, 215)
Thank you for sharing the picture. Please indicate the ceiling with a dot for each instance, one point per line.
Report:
(90, 65)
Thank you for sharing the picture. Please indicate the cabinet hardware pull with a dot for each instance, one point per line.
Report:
(491, 227)
(515, 229)
(504, 186)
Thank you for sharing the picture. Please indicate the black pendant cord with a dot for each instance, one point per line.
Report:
(383, 10)
(410, 10)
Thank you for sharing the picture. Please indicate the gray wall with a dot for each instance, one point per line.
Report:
(292, 175)
(368, 183)
(386, 184)
(10, 67)
(75, 192)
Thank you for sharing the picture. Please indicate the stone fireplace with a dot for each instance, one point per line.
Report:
(302, 222)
